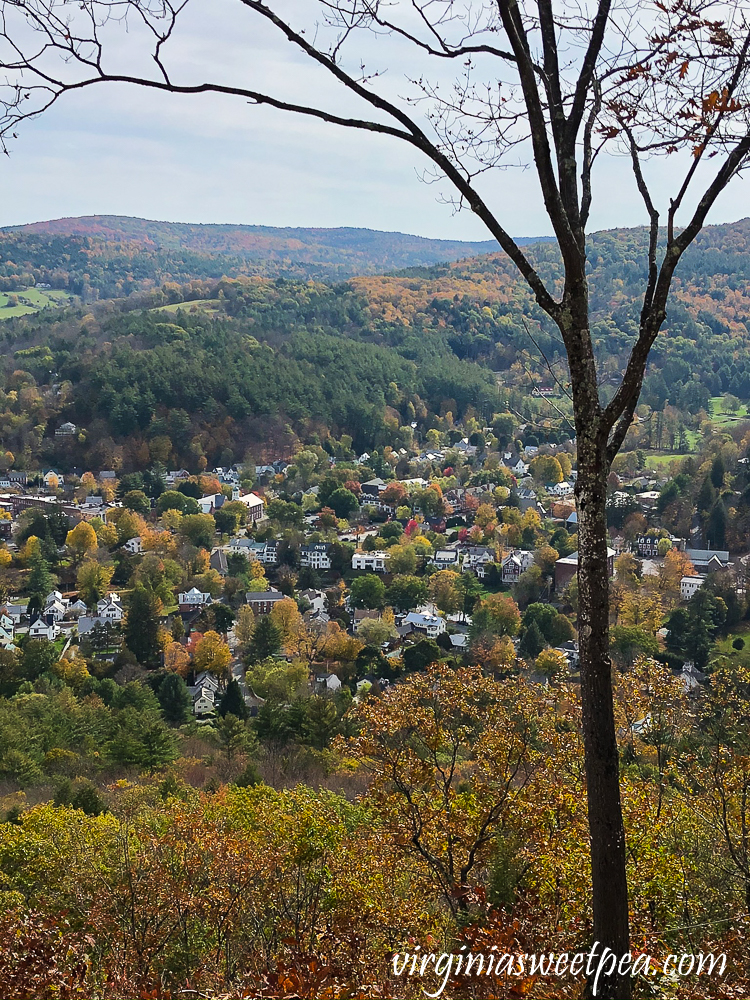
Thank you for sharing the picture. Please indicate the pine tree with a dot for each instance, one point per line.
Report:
(174, 699)
(706, 496)
(716, 529)
(532, 642)
(232, 703)
(142, 626)
(266, 639)
(717, 471)
(39, 583)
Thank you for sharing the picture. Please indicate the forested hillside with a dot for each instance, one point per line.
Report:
(105, 256)
(221, 367)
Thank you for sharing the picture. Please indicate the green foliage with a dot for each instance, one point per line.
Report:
(80, 795)
(419, 656)
(554, 627)
(174, 500)
(138, 501)
(629, 642)
(266, 640)
(174, 699)
(406, 592)
(39, 583)
(232, 702)
(142, 625)
(367, 591)
(532, 642)
(691, 630)
(343, 502)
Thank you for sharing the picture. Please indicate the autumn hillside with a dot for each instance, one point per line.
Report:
(133, 249)
(155, 330)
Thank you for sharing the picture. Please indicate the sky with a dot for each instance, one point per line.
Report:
(120, 150)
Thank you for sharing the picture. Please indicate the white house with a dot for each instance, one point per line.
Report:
(328, 681)
(40, 630)
(211, 503)
(690, 585)
(315, 598)
(52, 479)
(376, 562)
(55, 609)
(561, 489)
(515, 564)
(446, 559)
(110, 608)
(431, 625)
(263, 552)
(134, 545)
(476, 559)
(193, 599)
(204, 700)
(316, 556)
(207, 681)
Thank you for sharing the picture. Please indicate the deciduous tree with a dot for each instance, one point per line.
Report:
(81, 540)
(212, 654)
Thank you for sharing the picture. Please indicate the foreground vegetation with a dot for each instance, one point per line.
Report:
(470, 829)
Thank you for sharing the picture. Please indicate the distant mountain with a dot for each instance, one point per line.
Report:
(296, 252)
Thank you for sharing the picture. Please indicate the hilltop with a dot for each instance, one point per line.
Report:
(181, 250)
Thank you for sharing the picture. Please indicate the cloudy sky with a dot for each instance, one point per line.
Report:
(120, 150)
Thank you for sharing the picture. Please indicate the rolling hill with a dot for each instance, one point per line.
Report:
(216, 352)
(173, 249)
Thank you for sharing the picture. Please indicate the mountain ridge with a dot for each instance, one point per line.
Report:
(343, 250)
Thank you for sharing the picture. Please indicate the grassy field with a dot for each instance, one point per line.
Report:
(31, 300)
(723, 646)
(211, 306)
(660, 461)
(721, 416)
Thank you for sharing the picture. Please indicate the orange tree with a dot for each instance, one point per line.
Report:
(449, 754)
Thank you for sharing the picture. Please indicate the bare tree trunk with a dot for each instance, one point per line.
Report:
(606, 829)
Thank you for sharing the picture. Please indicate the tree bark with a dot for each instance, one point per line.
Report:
(606, 829)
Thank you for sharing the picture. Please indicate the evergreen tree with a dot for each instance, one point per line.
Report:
(232, 702)
(223, 617)
(716, 529)
(321, 722)
(266, 639)
(142, 626)
(718, 470)
(421, 655)
(706, 496)
(39, 583)
(174, 699)
(234, 737)
(532, 642)
(37, 659)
